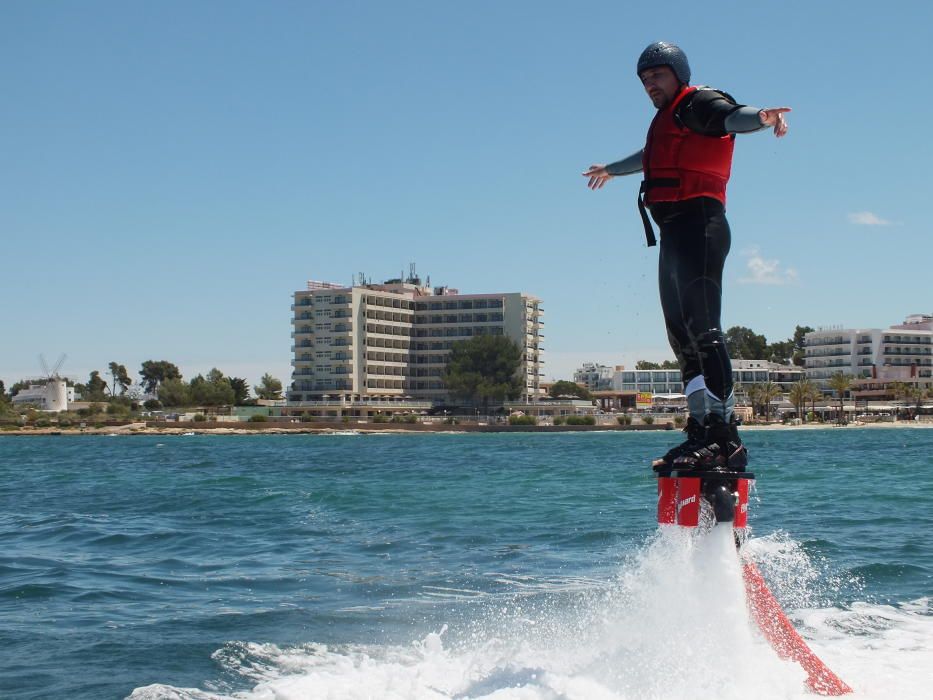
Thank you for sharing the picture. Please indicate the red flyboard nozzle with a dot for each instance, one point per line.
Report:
(667, 500)
(741, 505)
(688, 501)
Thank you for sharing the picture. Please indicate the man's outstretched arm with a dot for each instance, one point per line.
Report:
(714, 113)
(599, 175)
(747, 119)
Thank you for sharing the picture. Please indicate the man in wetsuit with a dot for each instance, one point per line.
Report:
(686, 162)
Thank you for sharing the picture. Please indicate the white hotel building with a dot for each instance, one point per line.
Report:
(902, 350)
(383, 347)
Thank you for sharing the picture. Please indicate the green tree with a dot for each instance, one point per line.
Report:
(840, 383)
(910, 393)
(214, 390)
(119, 376)
(666, 364)
(754, 397)
(565, 388)
(767, 392)
(240, 390)
(154, 373)
(484, 368)
(800, 344)
(174, 393)
(20, 385)
(781, 352)
(269, 388)
(744, 343)
(800, 393)
(96, 388)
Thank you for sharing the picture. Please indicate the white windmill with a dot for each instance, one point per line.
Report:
(56, 389)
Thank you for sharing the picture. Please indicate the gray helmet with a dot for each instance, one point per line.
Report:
(660, 53)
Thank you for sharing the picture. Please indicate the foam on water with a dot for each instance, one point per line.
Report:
(674, 624)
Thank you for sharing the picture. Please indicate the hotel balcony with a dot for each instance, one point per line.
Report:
(364, 401)
(912, 353)
(838, 340)
(841, 352)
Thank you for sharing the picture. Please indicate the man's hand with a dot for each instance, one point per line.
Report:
(774, 117)
(598, 176)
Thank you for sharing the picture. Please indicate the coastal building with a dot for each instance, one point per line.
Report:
(654, 381)
(670, 381)
(595, 377)
(904, 349)
(629, 387)
(53, 395)
(383, 347)
(748, 372)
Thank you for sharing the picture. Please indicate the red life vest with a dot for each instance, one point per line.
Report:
(682, 164)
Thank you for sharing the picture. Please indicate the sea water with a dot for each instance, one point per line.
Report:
(502, 566)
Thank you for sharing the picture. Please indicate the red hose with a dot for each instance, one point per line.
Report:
(779, 631)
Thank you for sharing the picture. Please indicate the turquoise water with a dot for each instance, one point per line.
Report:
(433, 565)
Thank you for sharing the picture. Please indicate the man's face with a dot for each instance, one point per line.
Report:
(661, 84)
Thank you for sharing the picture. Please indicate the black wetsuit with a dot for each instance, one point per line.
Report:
(695, 240)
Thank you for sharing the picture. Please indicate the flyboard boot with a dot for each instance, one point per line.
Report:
(710, 466)
(721, 448)
(696, 439)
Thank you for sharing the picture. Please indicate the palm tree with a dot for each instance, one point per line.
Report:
(910, 392)
(767, 392)
(754, 395)
(840, 383)
(901, 392)
(815, 395)
(800, 393)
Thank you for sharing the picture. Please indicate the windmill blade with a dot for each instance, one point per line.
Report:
(44, 365)
(58, 365)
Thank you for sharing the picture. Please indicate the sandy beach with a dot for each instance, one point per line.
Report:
(142, 428)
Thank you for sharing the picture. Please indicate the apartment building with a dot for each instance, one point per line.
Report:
(863, 353)
(655, 381)
(372, 345)
(595, 377)
(670, 381)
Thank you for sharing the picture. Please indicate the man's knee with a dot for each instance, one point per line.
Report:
(711, 339)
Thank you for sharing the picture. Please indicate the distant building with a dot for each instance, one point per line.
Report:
(655, 381)
(667, 384)
(53, 396)
(384, 347)
(748, 372)
(595, 377)
(866, 353)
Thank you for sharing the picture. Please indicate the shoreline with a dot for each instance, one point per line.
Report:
(305, 429)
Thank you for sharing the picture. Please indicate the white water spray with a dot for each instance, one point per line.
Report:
(673, 625)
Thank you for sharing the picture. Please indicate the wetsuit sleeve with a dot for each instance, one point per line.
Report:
(626, 166)
(744, 120)
(715, 113)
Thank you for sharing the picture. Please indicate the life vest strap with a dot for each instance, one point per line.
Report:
(645, 186)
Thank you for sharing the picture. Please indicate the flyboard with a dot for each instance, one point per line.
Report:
(680, 492)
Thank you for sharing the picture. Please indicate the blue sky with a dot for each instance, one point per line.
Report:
(173, 171)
